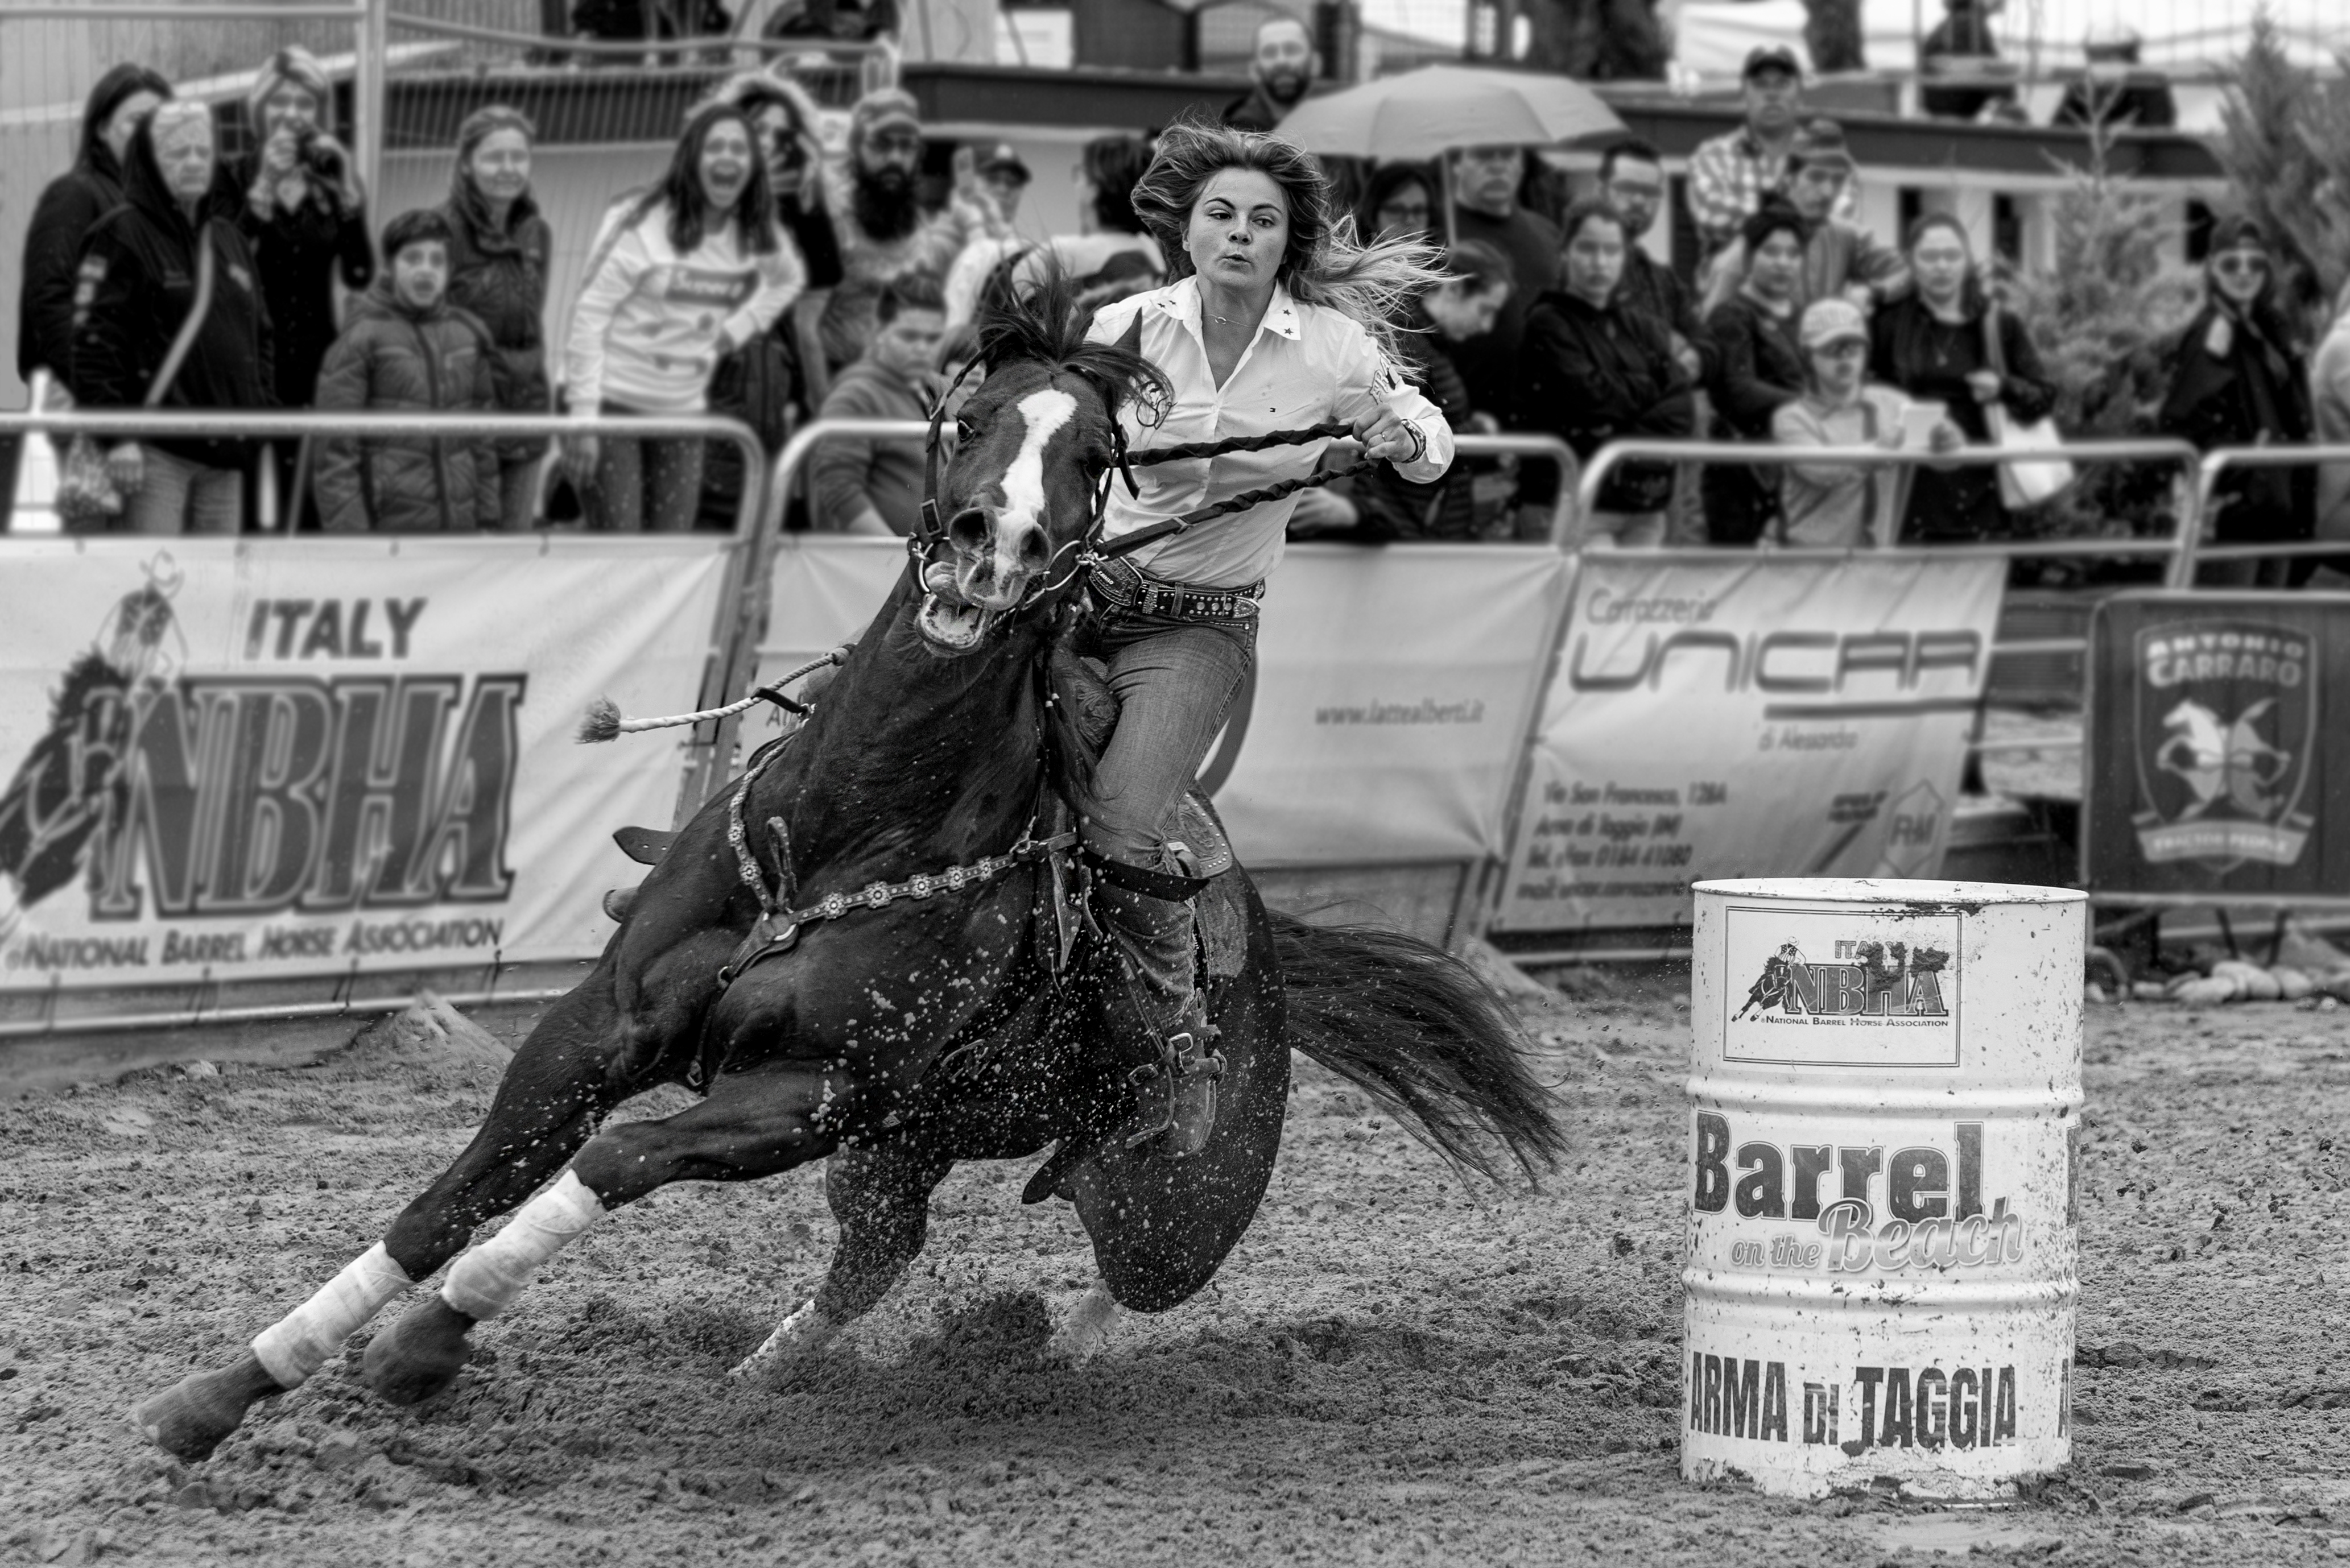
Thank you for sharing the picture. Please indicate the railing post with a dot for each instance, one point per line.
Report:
(368, 97)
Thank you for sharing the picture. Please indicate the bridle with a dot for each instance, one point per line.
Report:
(1090, 549)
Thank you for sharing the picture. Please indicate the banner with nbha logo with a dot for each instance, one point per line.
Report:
(226, 761)
(2217, 736)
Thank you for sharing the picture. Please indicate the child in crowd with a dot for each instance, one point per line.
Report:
(408, 350)
(875, 486)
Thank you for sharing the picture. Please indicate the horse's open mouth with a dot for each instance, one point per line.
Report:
(952, 626)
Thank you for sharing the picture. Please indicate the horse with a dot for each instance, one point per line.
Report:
(865, 951)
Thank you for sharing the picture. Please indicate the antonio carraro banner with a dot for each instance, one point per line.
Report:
(1382, 724)
(1747, 717)
(290, 757)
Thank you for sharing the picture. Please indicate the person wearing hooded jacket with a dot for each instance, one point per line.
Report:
(1759, 367)
(2236, 378)
(69, 209)
(139, 279)
(499, 249)
(408, 350)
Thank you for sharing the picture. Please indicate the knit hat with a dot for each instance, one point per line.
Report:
(296, 65)
(1772, 217)
(1828, 321)
(483, 123)
(884, 106)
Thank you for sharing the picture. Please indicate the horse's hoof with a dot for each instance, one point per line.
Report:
(419, 1356)
(189, 1419)
(802, 1335)
(1085, 1332)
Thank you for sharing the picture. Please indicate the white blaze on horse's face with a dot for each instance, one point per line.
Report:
(1004, 545)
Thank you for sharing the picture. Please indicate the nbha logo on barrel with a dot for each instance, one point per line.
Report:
(1881, 1260)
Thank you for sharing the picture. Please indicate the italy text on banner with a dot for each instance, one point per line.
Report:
(1391, 694)
(1748, 717)
(302, 757)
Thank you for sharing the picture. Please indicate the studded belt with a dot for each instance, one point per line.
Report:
(1128, 588)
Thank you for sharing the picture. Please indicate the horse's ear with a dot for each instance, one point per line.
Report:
(1131, 339)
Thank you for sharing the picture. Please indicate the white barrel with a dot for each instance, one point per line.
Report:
(1885, 1097)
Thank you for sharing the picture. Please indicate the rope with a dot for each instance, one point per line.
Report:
(1189, 451)
(603, 722)
(1127, 543)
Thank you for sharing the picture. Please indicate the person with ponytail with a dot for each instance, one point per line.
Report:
(1276, 321)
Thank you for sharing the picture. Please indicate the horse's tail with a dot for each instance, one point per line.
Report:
(1418, 1031)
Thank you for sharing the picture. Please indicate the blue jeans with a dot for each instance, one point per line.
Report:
(1175, 680)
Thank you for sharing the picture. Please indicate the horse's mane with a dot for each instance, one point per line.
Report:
(1044, 322)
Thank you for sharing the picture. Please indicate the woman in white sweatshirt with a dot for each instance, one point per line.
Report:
(690, 270)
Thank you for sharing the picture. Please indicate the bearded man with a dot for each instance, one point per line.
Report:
(1283, 67)
(873, 195)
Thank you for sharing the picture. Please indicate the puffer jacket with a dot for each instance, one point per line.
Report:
(136, 285)
(499, 277)
(395, 359)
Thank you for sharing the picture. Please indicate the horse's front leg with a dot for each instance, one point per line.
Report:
(881, 1198)
(556, 1090)
(752, 1124)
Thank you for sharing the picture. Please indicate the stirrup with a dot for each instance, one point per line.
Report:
(1178, 1095)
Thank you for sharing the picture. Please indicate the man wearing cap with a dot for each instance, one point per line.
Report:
(1840, 257)
(878, 220)
(1730, 176)
(1283, 68)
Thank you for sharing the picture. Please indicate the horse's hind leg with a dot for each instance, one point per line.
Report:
(752, 1125)
(881, 1197)
(555, 1091)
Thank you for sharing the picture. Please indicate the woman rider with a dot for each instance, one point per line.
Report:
(1275, 322)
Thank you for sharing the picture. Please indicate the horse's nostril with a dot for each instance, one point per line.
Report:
(968, 529)
(1034, 553)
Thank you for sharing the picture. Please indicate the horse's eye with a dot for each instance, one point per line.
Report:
(965, 430)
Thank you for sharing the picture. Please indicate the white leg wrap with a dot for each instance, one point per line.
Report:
(486, 1281)
(806, 1330)
(298, 1344)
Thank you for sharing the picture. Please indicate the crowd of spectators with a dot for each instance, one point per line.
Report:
(762, 279)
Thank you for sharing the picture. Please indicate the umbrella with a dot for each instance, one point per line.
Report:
(1437, 109)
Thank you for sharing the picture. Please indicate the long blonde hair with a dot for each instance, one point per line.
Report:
(1324, 264)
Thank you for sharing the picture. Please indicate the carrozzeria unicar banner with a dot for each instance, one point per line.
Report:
(1385, 714)
(1744, 716)
(227, 760)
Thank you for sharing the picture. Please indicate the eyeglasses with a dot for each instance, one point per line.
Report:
(1628, 190)
(894, 141)
(2240, 267)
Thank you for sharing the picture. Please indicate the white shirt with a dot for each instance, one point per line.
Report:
(1306, 364)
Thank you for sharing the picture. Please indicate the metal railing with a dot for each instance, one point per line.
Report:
(2213, 466)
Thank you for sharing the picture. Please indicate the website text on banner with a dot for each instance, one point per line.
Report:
(1383, 725)
(2218, 749)
(228, 760)
(1746, 717)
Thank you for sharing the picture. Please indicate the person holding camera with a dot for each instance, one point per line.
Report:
(304, 211)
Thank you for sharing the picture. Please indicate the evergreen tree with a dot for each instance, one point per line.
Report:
(2285, 146)
(2101, 319)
